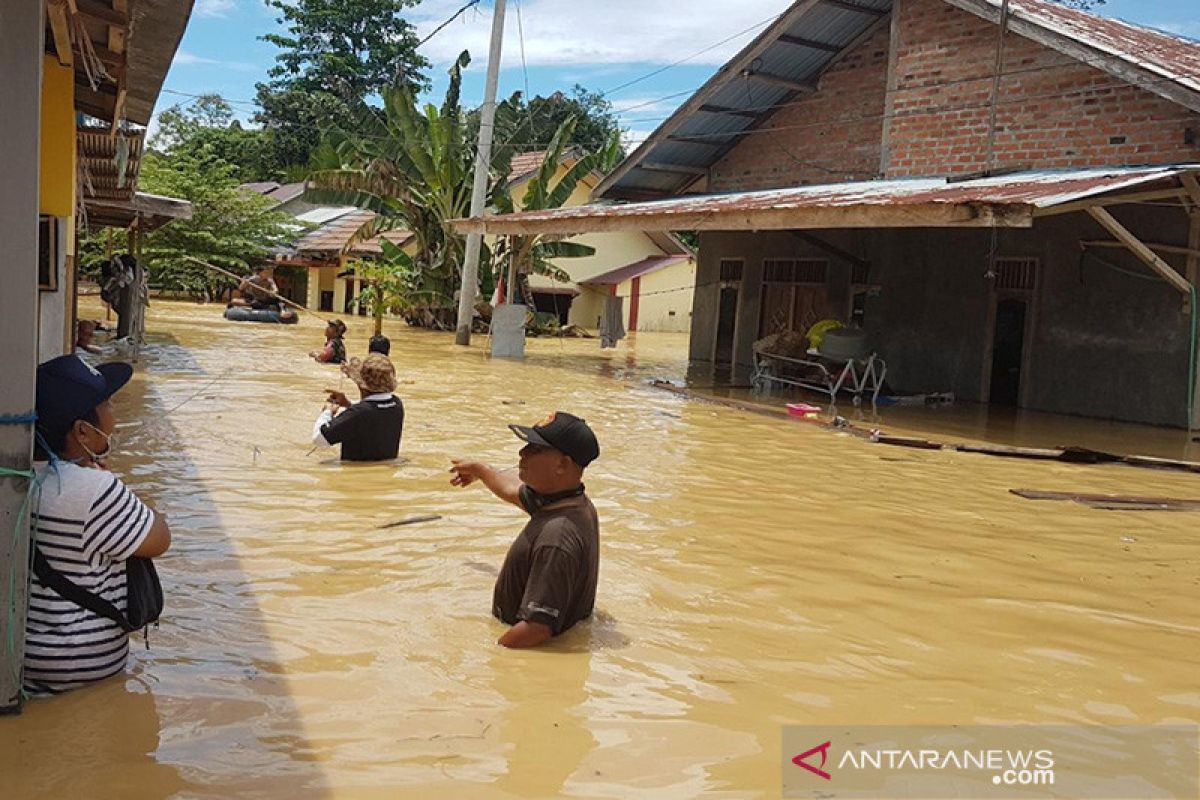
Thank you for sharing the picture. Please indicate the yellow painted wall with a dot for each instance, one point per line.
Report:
(58, 139)
(662, 292)
(615, 250)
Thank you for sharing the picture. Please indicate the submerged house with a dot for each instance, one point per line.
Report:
(1010, 211)
(652, 271)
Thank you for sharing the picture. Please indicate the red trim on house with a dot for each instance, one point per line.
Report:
(635, 297)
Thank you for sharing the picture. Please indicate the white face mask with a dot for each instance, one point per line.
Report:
(110, 441)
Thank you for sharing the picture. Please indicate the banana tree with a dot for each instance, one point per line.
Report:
(412, 166)
(535, 253)
(392, 285)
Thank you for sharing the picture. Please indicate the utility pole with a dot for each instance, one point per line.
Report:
(483, 158)
(21, 50)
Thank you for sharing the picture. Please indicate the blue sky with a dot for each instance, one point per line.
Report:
(601, 44)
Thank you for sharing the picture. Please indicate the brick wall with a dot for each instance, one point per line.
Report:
(1055, 112)
(822, 138)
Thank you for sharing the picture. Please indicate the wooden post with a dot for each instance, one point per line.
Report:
(21, 49)
(1193, 274)
(1135, 245)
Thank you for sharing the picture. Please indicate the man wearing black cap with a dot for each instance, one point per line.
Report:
(87, 524)
(548, 581)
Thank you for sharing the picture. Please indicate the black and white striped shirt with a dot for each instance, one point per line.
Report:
(87, 524)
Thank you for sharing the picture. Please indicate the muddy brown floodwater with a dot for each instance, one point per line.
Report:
(755, 573)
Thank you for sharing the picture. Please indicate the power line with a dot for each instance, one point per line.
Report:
(685, 59)
(453, 17)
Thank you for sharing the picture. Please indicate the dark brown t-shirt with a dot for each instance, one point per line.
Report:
(549, 575)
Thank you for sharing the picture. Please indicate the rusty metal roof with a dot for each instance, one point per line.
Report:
(1169, 59)
(332, 238)
(1009, 200)
(789, 57)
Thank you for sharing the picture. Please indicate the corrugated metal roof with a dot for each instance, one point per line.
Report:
(708, 124)
(331, 238)
(799, 46)
(1175, 58)
(637, 269)
(323, 214)
(787, 208)
(288, 191)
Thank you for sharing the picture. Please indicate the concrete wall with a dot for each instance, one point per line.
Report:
(1100, 343)
(753, 249)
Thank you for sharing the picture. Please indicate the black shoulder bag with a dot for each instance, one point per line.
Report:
(143, 599)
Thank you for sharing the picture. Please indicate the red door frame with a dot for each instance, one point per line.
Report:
(635, 296)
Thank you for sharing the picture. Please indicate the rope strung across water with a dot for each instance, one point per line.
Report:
(22, 517)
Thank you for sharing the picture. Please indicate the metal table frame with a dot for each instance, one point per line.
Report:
(821, 374)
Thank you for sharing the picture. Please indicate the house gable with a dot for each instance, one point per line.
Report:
(831, 136)
(1053, 111)
(792, 108)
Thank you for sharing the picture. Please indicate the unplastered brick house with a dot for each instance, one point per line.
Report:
(1010, 218)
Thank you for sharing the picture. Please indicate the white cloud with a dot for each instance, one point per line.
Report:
(186, 59)
(642, 106)
(565, 32)
(215, 8)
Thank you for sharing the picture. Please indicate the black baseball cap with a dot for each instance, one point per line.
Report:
(564, 432)
(68, 390)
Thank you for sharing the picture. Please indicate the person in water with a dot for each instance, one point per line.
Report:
(259, 290)
(334, 351)
(88, 523)
(548, 580)
(370, 429)
(380, 344)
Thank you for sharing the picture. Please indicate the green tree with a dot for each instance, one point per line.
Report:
(207, 125)
(525, 126)
(412, 165)
(523, 255)
(392, 284)
(229, 228)
(333, 55)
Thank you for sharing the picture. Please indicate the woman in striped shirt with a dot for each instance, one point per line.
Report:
(87, 524)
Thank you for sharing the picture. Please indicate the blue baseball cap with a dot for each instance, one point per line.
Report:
(68, 390)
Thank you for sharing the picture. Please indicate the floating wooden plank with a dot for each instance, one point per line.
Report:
(1162, 463)
(1084, 455)
(1112, 502)
(1010, 452)
(411, 521)
(906, 441)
